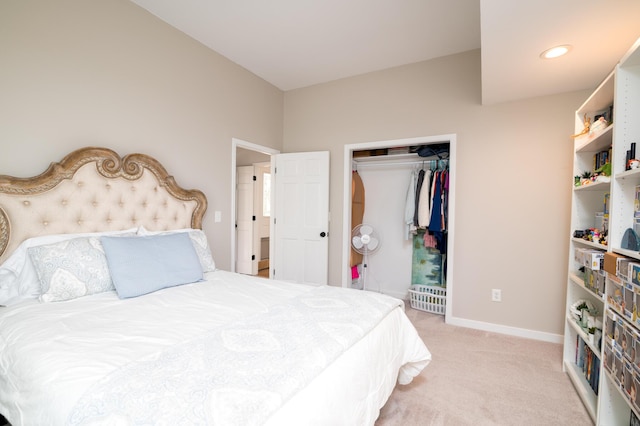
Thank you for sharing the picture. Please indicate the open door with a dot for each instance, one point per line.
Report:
(301, 222)
(246, 262)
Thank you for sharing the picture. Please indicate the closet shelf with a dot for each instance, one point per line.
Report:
(395, 160)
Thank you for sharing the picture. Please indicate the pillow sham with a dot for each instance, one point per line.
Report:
(19, 279)
(199, 240)
(144, 264)
(71, 269)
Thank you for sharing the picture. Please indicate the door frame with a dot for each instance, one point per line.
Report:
(235, 144)
(346, 202)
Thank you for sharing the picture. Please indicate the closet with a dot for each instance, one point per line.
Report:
(387, 174)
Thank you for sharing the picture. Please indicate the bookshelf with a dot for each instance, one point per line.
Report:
(597, 338)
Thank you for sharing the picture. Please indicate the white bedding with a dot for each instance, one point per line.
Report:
(53, 354)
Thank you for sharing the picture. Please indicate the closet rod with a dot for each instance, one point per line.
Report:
(366, 164)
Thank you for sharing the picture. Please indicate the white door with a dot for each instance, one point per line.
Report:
(301, 222)
(262, 200)
(246, 263)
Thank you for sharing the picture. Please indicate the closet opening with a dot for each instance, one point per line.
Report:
(413, 229)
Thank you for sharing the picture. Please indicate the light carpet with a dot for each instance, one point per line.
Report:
(480, 378)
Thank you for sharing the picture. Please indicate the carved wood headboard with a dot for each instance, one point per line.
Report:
(94, 189)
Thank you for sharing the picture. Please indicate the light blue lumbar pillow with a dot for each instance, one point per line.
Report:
(141, 265)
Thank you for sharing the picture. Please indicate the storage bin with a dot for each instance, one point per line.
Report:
(428, 298)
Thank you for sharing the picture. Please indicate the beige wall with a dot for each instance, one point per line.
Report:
(514, 177)
(75, 73)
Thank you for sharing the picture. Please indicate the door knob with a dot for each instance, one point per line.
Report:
(323, 234)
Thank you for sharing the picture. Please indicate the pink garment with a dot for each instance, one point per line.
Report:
(429, 240)
(354, 272)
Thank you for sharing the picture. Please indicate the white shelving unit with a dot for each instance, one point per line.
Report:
(606, 400)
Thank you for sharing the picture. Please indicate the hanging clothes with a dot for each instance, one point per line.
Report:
(446, 197)
(357, 211)
(410, 206)
(430, 241)
(437, 223)
(419, 184)
(424, 204)
(435, 218)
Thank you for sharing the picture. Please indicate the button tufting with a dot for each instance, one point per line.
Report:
(26, 203)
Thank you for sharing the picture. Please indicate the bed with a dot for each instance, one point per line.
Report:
(113, 312)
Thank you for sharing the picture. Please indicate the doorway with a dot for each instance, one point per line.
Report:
(298, 243)
(251, 239)
(393, 145)
(253, 213)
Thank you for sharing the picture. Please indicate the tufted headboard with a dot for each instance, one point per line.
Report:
(94, 189)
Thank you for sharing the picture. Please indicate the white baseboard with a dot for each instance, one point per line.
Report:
(504, 329)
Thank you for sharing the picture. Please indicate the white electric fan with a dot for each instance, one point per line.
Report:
(365, 240)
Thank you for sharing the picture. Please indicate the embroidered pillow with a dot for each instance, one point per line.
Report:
(18, 277)
(70, 269)
(141, 265)
(201, 244)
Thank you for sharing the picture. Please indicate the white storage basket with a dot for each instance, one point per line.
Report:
(428, 298)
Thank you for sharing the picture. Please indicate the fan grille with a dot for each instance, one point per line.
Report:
(365, 239)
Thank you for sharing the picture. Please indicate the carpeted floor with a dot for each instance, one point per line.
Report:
(479, 378)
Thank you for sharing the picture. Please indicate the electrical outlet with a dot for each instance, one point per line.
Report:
(496, 295)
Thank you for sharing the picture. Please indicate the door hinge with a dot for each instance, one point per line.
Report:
(253, 218)
(253, 257)
(255, 178)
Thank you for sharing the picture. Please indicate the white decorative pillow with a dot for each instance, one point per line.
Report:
(200, 243)
(18, 278)
(71, 269)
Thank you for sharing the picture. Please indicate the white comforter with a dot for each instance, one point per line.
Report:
(69, 362)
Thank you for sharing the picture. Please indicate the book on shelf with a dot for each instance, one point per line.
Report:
(589, 363)
(600, 159)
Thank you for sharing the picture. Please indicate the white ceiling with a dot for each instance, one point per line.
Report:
(298, 43)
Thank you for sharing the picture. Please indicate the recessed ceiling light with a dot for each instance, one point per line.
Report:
(556, 51)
